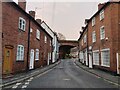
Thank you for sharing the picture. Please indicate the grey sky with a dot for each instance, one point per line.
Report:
(64, 17)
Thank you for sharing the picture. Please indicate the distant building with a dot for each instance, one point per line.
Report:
(74, 52)
(99, 43)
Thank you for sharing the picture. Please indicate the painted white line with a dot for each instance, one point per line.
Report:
(66, 79)
(15, 86)
(43, 73)
(24, 86)
(26, 83)
(18, 84)
(29, 80)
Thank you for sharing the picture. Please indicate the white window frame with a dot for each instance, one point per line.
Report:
(38, 34)
(37, 54)
(96, 56)
(102, 32)
(50, 42)
(20, 53)
(93, 21)
(102, 60)
(22, 24)
(101, 14)
(93, 36)
(85, 38)
(45, 39)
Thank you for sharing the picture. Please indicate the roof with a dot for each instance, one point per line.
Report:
(106, 4)
(29, 16)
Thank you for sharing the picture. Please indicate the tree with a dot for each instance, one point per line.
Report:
(61, 36)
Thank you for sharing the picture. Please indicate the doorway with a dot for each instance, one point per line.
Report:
(31, 66)
(90, 61)
(118, 63)
(7, 63)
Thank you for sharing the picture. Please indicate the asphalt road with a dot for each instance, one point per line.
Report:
(65, 75)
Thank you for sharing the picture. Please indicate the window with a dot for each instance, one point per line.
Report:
(50, 43)
(20, 53)
(45, 39)
(102, 15)
(37, 54)
(102, 32)
(38, 34)
(93, 36)
(93, 21)
(85, 39)
(105, 57)
(96, 57)
(22, 23)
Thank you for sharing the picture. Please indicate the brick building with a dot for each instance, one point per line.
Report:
(25, 44)
(103, 40)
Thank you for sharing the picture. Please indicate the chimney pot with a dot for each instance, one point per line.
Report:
(39, 21)
(32, 13)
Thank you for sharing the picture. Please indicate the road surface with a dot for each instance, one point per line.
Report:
(65, 75)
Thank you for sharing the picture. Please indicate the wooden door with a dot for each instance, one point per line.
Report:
(7, 62)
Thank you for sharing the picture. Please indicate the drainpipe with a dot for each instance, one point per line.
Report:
(28, 48)
(87, 47)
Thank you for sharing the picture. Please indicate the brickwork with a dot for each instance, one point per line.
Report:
(13, 36)
(111, 24)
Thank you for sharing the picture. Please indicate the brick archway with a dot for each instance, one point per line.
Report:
(65, 46)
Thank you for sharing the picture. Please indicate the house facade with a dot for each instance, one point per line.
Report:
(25, 44)
(103, 30)
(55, 43)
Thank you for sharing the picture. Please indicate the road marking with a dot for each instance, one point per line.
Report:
(24, 86)
(112, 82)
(43, 73)
(29, 80)
(26, 83)
(66, 79)
(18, 84)
(15, 86)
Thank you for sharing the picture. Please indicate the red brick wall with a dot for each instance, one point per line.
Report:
(112, 30)
(12, 35)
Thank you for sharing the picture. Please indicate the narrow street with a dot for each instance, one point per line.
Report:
(65, 75)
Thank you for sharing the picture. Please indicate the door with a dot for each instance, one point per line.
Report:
(48, 59)
(118, 63)
(90, 61)
(7, 63)
(31, 66)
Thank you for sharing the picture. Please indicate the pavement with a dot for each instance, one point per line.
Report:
(115, 79)
(26, 75)
(64, 75)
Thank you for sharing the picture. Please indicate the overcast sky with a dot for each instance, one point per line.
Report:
(64, 17)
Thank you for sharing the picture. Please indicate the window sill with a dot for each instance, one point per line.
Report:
(21, 30)
(19, 60)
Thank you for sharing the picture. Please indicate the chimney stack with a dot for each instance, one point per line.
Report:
(39, 21)
(32, 13)
(100, 5)
(22, 4)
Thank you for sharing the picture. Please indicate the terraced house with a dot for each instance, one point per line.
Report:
(103, 39)
(25, 44)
